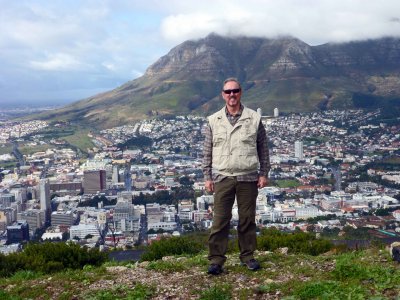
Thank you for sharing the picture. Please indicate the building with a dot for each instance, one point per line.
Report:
(6, 200)
(94, 181)
(204, 201)
(81, 231)
(62, 218)
(276, 112)
(185, 205)
(45, 201)
(34, 217)
(166, 226)
(115, 174)
(123, 210)
(259, 111)
(66, 188)
(306, 212)
(154, 213)
(7, 217)
(298, 150)
(18, 232)
(125, 218)
(128, 176)
(200, 215)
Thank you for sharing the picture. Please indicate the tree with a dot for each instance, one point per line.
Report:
(185, 180)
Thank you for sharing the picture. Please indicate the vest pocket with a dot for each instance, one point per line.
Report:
(219, 138)
(248, 136)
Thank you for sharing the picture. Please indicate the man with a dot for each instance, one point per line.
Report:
(235, 164)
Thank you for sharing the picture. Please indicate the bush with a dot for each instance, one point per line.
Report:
(172, 246)
(49, 258)
(297, 242)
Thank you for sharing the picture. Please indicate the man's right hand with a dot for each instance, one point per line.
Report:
(209, 185)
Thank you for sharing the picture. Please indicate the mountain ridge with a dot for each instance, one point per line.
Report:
(285, 73)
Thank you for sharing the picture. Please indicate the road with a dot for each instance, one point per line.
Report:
(18, 155)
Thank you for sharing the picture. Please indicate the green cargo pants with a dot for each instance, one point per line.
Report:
(224, 198)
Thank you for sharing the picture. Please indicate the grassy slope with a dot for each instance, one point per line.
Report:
(363, 274)
(122, 106)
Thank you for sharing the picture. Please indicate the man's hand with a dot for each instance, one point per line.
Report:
(209, 184)
(262, 182)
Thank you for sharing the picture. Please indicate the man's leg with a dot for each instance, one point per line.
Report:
(224, 198)
(246, 194)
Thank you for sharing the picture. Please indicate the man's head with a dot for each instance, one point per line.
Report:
(231, 93)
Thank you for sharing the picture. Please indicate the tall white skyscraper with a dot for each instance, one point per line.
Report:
(259, 111)
(276, 112)
(44, 194)
(298, 150)
(115, 174)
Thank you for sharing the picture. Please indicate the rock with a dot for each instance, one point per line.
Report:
(395, 251)
(268, 281)
(168, 258)
(116, 269)
(283, 250)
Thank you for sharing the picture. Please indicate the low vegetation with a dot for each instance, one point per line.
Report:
(176, 269)
(50, 257)
(286, 183)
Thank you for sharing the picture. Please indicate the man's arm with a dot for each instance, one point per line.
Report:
(207, 158)
(263, 156)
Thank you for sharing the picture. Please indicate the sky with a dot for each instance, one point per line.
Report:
(58, 51)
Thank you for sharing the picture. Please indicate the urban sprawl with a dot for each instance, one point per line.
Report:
(119, 195)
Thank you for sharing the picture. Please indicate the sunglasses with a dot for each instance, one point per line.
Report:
(235, 91)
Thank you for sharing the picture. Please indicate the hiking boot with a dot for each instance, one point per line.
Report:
(252, 264)
(214, 269)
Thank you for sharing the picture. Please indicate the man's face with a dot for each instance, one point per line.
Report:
(232, 99)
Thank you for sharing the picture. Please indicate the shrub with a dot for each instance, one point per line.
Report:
(172, 246)
(49, 258)
(297, 242)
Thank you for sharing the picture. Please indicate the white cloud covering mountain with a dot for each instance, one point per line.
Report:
(67, 50)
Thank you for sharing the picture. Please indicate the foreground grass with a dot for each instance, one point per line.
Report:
(367, 274)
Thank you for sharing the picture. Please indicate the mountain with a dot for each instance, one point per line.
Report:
(284, 72)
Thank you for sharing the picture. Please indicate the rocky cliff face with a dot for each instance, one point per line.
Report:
(285, 73)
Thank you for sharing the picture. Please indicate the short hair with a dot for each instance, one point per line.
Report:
(231, 79)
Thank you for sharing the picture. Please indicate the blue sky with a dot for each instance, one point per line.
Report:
(58, 51)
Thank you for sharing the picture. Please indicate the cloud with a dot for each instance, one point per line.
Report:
(314, 21)
(58, 62)
(49, 49)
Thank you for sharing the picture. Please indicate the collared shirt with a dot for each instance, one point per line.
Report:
(262, 151)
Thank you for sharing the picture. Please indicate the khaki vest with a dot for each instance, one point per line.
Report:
(234, 149)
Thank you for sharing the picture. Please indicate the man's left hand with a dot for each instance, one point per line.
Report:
(262, 182)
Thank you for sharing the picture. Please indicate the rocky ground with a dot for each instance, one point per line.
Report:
(283, 276)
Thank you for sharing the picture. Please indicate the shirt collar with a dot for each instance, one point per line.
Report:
(238, 114)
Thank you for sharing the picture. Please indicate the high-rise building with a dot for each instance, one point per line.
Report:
(34, 217)
(60, 218)
(45, 201)
(127, 177)
(259, 111)
(115, 174)
(18, 232)
(276, 112)
(124, 217)
(66, 188)
(6, 200)
(6, 218)
(94, 181)
(298, 150)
